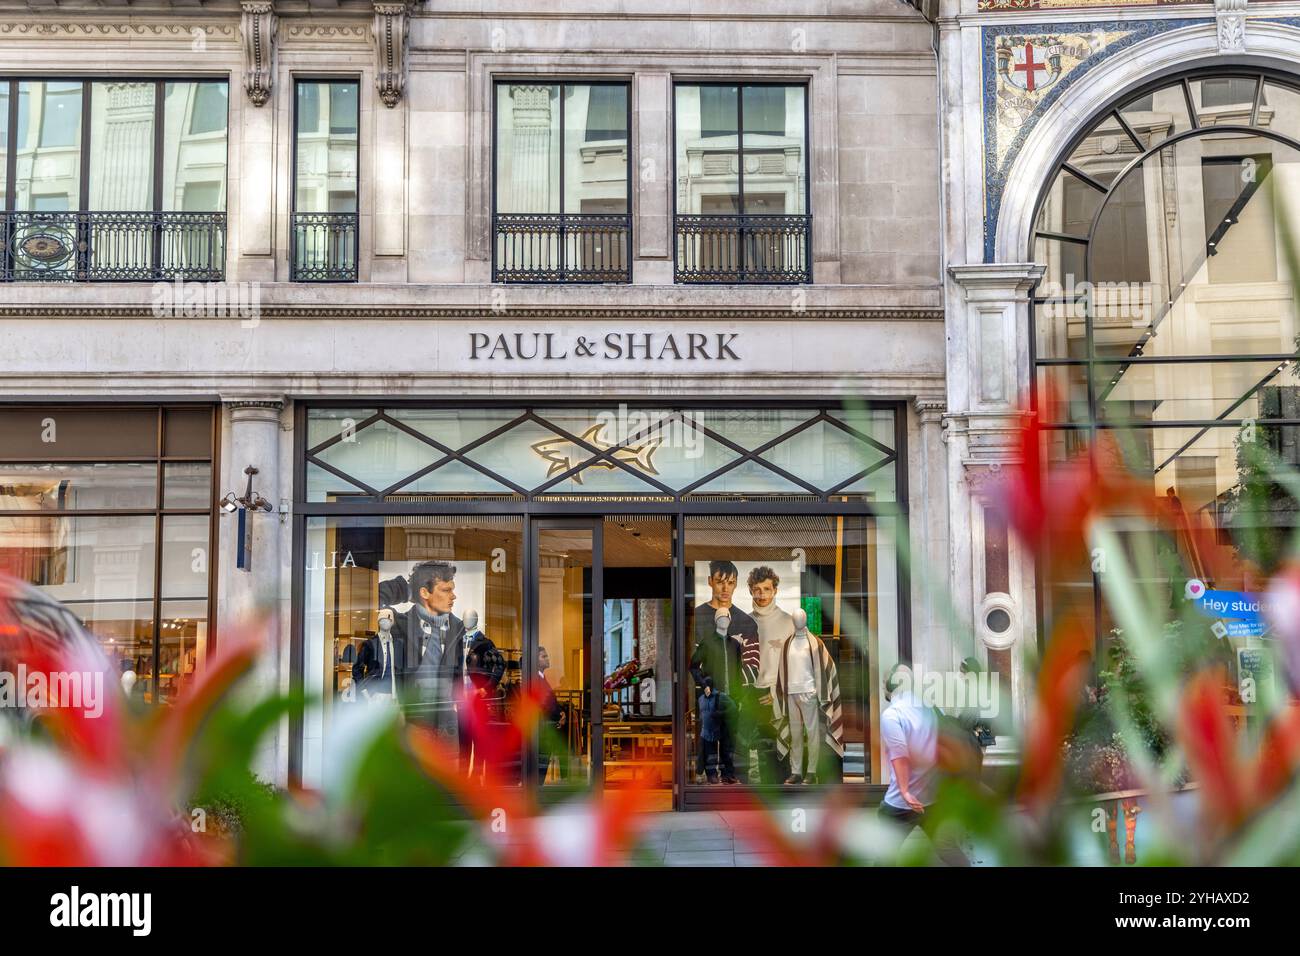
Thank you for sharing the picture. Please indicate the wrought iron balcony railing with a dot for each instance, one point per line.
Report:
(323, 247)
(113, 246)
(536, 247)
(749, 249)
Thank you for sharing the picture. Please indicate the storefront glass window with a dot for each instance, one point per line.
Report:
(424, 611)
(793, 620)
(96, 535)
(599, 512)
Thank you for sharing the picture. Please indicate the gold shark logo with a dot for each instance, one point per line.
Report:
(563, 454)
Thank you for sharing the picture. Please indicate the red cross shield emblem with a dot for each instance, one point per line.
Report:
(1030, 66)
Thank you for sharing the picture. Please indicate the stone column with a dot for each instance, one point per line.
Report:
(988, 388)
(932, 642)
(253, 601)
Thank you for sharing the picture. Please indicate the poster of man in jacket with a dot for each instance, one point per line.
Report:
(429, 600)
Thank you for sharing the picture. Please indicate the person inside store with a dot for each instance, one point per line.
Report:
(731, 657)
(553, 719)
(909, 735)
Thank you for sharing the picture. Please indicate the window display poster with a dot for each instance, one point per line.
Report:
(470, 582)
(812, 606)
(787, 589)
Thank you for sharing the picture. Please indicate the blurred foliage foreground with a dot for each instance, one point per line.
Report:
(1151, 728)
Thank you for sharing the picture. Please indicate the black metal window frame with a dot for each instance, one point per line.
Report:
(536, 228)
(1115, 364)
(609, 457)
(742, 223)
(533, 512)
(159, 512)
(49, 239)
(327, 227)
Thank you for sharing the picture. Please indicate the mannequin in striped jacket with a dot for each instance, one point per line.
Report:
(806, 701)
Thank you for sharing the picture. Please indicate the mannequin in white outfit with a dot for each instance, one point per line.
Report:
(801, 702)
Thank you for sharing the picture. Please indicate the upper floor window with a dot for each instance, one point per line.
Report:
(562, 202)
(113, 180)
(742, 183)
(324, 229)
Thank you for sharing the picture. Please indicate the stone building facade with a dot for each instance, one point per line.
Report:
(790, 242)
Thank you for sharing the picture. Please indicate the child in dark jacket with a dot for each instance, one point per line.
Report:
(714, 736)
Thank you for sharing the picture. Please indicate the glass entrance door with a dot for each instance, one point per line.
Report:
(603, 653)
(566, 667)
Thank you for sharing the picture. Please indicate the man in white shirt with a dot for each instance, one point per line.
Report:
(909, 733)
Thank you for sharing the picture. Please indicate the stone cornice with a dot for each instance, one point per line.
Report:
(107, 28)
(273, 386)
(485, 313)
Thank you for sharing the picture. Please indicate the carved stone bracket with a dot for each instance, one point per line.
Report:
(1230, 15)
(258, 26)
(930, 410)
(390, 32)
(984, 478)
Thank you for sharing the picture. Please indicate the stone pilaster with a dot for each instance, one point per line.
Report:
(253, 601)
(988, 387)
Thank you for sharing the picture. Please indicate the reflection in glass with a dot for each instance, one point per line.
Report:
(655, 452)
(185, 556)
(1163, 392)
(4, 138)
(101, 568)
(451, 588)
(194, 146)
(1187, 265)
(187, 485)
(739, 570)
(775, 160)
(528, 148)
(708, 159)
(380, 454)
(121, 146)
(48, 146)
(595, 148)
(78, 487)
(326, 148)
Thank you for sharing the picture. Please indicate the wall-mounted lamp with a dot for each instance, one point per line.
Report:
(250, 500)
